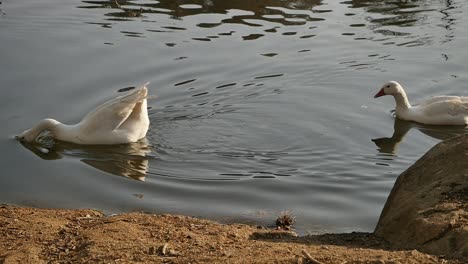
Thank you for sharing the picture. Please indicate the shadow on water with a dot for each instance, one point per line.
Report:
(401, 128)
(127, 160)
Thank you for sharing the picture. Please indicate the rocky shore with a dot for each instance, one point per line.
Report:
(424, 221)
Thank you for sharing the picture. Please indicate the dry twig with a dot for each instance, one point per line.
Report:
(164, 249)
(310, 258)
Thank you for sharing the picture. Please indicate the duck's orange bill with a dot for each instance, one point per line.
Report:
(380, 93)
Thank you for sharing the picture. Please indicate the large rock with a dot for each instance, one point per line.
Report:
(428, 206)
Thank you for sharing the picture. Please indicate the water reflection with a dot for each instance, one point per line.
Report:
(448, 20)
(390, 22)
(396, 13)
(399, 19)
(267, 10)
(401, 128)
(1, 11)
(128, 160)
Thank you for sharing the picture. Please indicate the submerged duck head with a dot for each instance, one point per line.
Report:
(31, 134)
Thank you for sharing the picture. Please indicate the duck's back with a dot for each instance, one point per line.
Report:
(448, 110)
(441, 98)
(120, 120)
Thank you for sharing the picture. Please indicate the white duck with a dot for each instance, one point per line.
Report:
(120, 120)
(437, 110)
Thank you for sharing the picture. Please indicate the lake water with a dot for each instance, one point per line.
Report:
(257, 107)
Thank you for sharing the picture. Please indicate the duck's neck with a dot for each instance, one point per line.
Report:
(53, 126)
(402, 102)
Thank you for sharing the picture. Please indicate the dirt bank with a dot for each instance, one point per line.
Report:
(30, 235)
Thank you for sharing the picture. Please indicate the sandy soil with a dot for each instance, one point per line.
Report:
(29, 235)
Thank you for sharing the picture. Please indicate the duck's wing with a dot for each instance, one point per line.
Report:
(449, 108)
(111, 114)
(440, 98)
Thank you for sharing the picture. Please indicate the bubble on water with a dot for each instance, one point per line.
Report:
(43, 150)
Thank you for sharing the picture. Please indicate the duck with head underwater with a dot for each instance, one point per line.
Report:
(123, 119)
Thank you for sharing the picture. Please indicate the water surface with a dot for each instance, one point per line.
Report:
(261, 107)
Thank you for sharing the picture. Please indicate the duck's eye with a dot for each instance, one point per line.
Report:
(388, 86)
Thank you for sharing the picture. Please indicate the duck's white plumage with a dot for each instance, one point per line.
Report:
(123, 119)
(437, 110)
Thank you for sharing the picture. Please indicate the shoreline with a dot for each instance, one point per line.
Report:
(33, 235)
(425, 220)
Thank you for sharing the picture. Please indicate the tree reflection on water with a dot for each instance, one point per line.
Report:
(179, 9)
(386, 19)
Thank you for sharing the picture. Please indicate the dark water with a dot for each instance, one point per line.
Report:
(261, 107)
